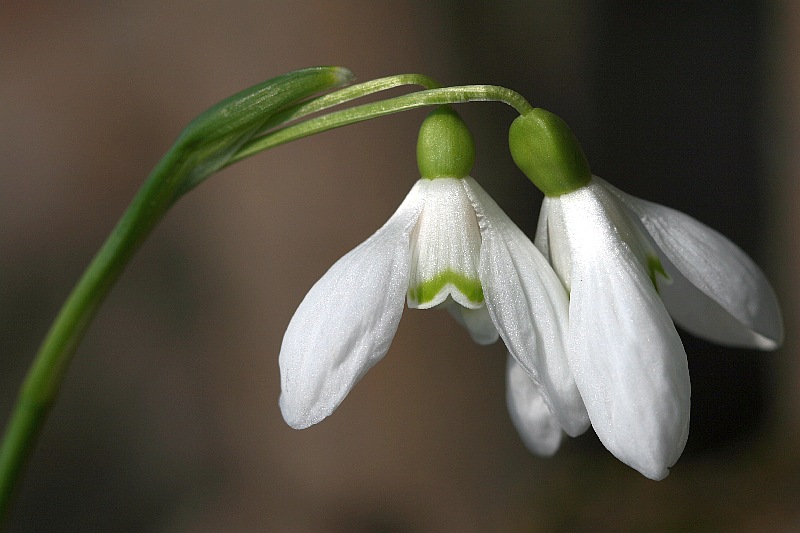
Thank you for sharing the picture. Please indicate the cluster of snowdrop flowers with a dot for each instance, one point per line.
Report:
(584, 313)
(448, 245)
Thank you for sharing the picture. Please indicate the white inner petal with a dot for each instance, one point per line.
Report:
(476, 321)
(445, 249)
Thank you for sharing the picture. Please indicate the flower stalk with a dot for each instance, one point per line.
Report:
(430, 97)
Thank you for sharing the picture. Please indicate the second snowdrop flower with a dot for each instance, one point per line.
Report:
(631, 267)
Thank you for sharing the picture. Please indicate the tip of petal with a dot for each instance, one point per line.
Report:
(654, 472)
(297, 418)
(650, 467)
(761, 342)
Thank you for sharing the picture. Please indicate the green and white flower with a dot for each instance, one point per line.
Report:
(629, 265)
(449, 244)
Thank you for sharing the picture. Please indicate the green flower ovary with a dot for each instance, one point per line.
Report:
(546, 150)
(428, 290)
(445, 148)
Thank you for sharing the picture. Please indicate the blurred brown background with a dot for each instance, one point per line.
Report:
(168, 420)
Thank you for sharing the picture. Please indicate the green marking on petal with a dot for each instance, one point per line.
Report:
(428, 290)
(654, 267)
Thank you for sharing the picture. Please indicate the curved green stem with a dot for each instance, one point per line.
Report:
(44, 378)
(201, 149)
(447, 95)
(297, 111)
(351, 93)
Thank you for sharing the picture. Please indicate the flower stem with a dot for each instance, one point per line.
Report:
(201, 149)
(321, 103)
(348, 94)
(44, 378)
(435, 96)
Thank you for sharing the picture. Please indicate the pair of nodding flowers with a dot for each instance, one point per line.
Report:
(586, 311)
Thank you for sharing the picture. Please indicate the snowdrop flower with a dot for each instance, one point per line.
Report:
(450, 245)
(629, 265)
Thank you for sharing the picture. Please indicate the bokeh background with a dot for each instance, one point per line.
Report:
(168, 419)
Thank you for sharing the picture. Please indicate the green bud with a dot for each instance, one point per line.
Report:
(545, 149)
(445, 148)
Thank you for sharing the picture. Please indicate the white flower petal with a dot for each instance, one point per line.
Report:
(476, 321)
(718, 293)
(627, 358)
(445, 248)
(537, 426)
(528, 305)
(542, 238)
(558, 253)
(347, 320)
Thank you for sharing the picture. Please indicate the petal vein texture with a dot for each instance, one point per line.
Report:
(528, 305)
(627, 358)
(346, 322)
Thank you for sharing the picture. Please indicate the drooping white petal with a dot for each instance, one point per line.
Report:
(528, 305)
(347, 320)
(445, 247)
(718, 293)
(476, 321)
(553, 231)
(542, 238)
(536, 425)
(627, 358)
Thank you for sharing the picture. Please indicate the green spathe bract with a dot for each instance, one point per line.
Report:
(213, 138)
(445, 148)
(546, 150)
(428, 290)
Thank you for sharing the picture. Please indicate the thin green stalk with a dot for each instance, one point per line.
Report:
(315, 105)
(447, 95)
(351, 93)
(44, 378)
